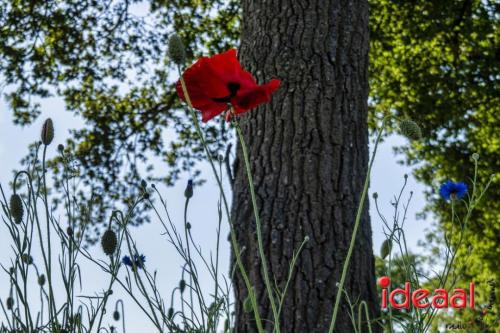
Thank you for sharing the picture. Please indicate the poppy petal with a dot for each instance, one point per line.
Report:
(254, 97)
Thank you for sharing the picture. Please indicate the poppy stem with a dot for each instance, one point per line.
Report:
(355, 230)
(265, 270)
(234, 241)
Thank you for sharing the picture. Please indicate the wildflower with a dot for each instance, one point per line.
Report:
(453, 190)
(109, 242)
(47, 132)
(214, 82)
(138, 261)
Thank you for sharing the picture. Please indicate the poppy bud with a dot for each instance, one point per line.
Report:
(188, 192)
(247, 305)
(386, 248)
(170, 313)
(144, 184)
(27, 259)
(9, 303)
(410, 129)
(375, 195)
(116, 315)
(182, 286)
(109, 242)
(16, 208)
(188, 226)
(47, 132)
(60, 147)
(41, 280)
(176, 50)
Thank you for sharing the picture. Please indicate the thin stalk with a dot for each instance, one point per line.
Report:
(258, 224)
(355, 230)
(232, 233)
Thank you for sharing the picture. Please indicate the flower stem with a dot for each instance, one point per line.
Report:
(265, 270)
(355, 230)
(234, 242)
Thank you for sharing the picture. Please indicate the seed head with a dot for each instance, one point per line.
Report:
(47, 132)
(410, 129)
(16, 208)
(176, 50)
(109, 242)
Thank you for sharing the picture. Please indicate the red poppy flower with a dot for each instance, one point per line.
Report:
(214, 82)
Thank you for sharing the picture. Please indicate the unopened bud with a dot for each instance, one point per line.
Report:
(410, 129)
(188, 192)
(47, 132)
(41, 280)
(116, 315)
(16, 208)
(176, 50)
(386, 248)
(109, 242)
(10, 303)
(182, 286)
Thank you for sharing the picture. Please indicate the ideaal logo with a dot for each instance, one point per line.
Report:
(440, 298)
(419, 298)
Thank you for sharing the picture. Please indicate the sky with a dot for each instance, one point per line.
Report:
(387, 179)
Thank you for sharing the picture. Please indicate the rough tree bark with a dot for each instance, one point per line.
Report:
(309, 154)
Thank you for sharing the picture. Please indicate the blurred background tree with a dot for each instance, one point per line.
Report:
(434, 61)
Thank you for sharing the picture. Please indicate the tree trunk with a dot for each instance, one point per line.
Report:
(309, 154)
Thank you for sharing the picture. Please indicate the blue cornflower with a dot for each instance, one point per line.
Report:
(138, 261)
(453, 190)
